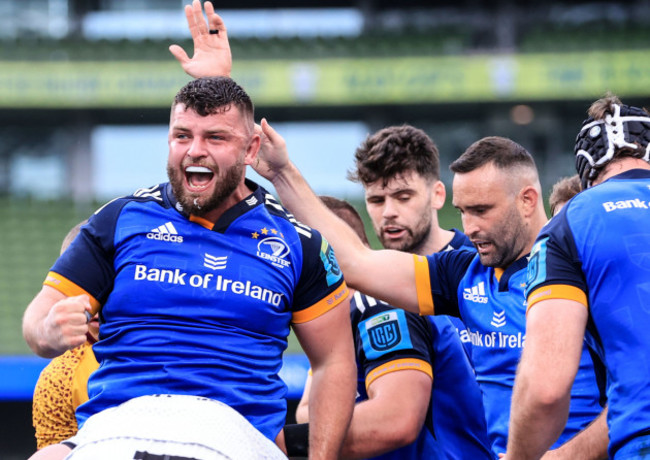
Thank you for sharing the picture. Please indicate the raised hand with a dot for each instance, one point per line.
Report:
(212, 56)
(272, 157)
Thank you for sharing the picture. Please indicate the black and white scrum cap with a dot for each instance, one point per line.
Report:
(598, 140)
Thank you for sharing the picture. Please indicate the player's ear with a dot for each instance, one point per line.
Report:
(252, 149)
(438, 195)
(529, 197)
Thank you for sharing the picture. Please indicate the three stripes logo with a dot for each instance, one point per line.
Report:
(499, 319)
(152, 192)
(213, 262)
(475, 293)
(165, 232)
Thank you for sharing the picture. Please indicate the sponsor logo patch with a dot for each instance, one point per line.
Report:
(384, 333)
(329, 263)
(475, 293)
(165, 232)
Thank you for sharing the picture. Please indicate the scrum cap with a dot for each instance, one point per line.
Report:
(599, 140)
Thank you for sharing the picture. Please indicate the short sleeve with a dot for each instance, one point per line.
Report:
(554, 270)
(390, 339)
(321, 286)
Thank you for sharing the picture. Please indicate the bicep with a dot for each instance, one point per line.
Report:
(387, 275)
(554, 338)
(406, 391)
(327, 337)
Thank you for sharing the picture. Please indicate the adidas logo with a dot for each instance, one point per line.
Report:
(475, 293)
(214, 263)
(166, 232)
(499, 319)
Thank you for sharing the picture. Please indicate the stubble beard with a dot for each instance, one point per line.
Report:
(198, 205)
(416, 237)
(506, 251)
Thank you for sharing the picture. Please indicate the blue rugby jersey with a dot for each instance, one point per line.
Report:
(492, 304)
(597, 251)
(188, 307)
(388, 340)
(460, 241)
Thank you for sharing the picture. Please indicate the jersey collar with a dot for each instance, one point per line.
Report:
(503, 276)
(221, 225)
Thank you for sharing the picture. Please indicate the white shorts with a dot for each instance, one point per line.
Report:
(164, 426)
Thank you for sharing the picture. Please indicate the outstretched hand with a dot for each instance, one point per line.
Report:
(212, 57)
(272, 157)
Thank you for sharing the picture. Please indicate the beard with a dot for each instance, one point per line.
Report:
(197, 205)
(508, 243)
(415, 238)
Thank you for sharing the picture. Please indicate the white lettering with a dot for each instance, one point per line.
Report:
(178, 277)
(625, 204)
(237, 287)
(206, 280)
(140, 272)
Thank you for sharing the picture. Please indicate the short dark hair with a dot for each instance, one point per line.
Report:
(393, 151)
(563, 190)
(346, 212)
(72, 234)
(504, 153)
(210, 95)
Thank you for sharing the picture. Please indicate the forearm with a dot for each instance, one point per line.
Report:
(590, 444)
(297, 196)
(534, 425)
(374, 430)
(330, 408)
(34, 332)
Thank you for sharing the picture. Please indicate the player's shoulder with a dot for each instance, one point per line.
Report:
(365, 306)
(458, 241)
(277, 212)
(159, 194)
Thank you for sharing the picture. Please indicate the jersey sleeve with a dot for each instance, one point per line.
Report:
(554, 266)
(86, 267)
(389, 339)
(321, 286)
(437, 278)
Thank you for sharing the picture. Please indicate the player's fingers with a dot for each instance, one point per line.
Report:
(191, 21)
(179, 53)
(214, 20)
(201, 26)
(271, 133)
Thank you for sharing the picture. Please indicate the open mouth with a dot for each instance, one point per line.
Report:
(482, 246)
(198, 177)
(393, 232)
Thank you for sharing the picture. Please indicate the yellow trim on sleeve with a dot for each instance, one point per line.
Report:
(322, 306)
(399, 365)
(67, 287)
(423, 285)
(557, 291)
